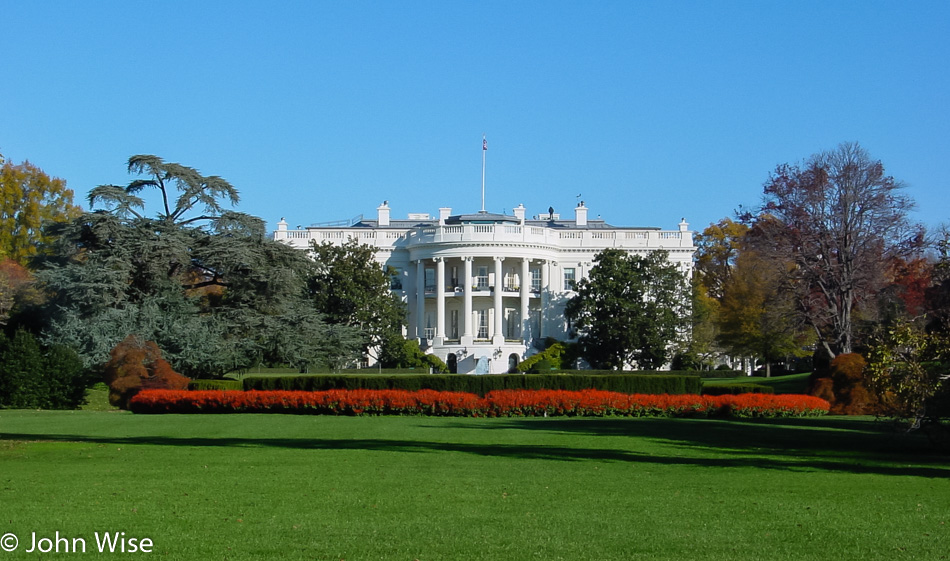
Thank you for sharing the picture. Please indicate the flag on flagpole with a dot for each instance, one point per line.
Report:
(484, 143)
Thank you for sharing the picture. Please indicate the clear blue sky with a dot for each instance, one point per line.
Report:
(319, 111)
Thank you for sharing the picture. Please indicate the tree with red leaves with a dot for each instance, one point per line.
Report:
(837, 218)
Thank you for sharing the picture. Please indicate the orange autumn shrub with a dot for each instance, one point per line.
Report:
(851, 394)
(136, 365)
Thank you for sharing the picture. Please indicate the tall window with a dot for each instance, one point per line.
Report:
(513, 324)
(430, 280)
(455, 276)
(395, 281)
(455, 324)
(536, 280)
(511, 282)
(481, 317)
(569, 281)
(481, 281)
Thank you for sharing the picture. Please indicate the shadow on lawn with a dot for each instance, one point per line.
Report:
(787, 444)
(829, 443)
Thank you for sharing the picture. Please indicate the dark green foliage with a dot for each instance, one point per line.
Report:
(622, 383)
(736, 389)
(349, 287)
(36, 377)
(395, 351)
(630, 309)
(556, 356)
(215, 385)
(204, 283)
(719, 373)
(686, 360)
(398, 352)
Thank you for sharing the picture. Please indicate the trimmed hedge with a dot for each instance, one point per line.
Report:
(200, 385)
(736, 389)
(481, 385)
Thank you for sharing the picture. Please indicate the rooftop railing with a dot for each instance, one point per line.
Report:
(569, 238)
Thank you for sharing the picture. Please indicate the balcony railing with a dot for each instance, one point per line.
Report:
(620, 238)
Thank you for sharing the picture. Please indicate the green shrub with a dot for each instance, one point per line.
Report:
(556, 355)
(35, 377)
(215, 385)
(736, 389)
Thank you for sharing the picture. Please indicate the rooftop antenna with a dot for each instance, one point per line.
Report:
(484, 151)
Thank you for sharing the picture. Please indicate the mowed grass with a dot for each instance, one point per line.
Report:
(243, 487)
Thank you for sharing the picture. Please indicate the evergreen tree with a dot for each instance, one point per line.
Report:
(630, 310)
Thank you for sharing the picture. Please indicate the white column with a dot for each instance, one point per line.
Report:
(499, 336)
(440, 300)
(545, 296)
(525, 282)
(420, 300)
(467, 335)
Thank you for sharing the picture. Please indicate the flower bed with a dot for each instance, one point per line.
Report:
(502, 403)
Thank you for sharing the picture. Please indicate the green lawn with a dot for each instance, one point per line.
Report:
(242, 487)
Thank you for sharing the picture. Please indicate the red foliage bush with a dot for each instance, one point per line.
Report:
(823, 388)
(136, 365)
(851, 395)
(506, 403)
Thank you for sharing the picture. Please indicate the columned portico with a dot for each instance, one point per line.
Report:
(524, 281)
(440, 300)
(467, 336)
(498, 337)
(545, 296)
(420, 300)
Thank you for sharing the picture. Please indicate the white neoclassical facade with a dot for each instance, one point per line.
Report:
(483, 289)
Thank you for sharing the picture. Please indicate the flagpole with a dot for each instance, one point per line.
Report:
(484, 150)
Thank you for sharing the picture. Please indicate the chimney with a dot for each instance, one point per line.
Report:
(382, 213)
(519, 212)
(282, 225)
(580, 215)
(444, 212)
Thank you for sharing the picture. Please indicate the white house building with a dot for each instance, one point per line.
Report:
(483, 289)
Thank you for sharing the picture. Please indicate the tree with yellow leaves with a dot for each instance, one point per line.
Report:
(29, 199)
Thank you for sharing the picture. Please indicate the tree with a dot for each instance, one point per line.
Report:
(717, 248)
(756, 317)
(907, 367)
(630, 309)
(349, 287)
(205, 284)
(835, 217)
(29, 199)
(16, 289)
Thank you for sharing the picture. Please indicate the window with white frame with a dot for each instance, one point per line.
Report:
(481, 319)
(569, 279)
(536, 280)
(481, 280)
